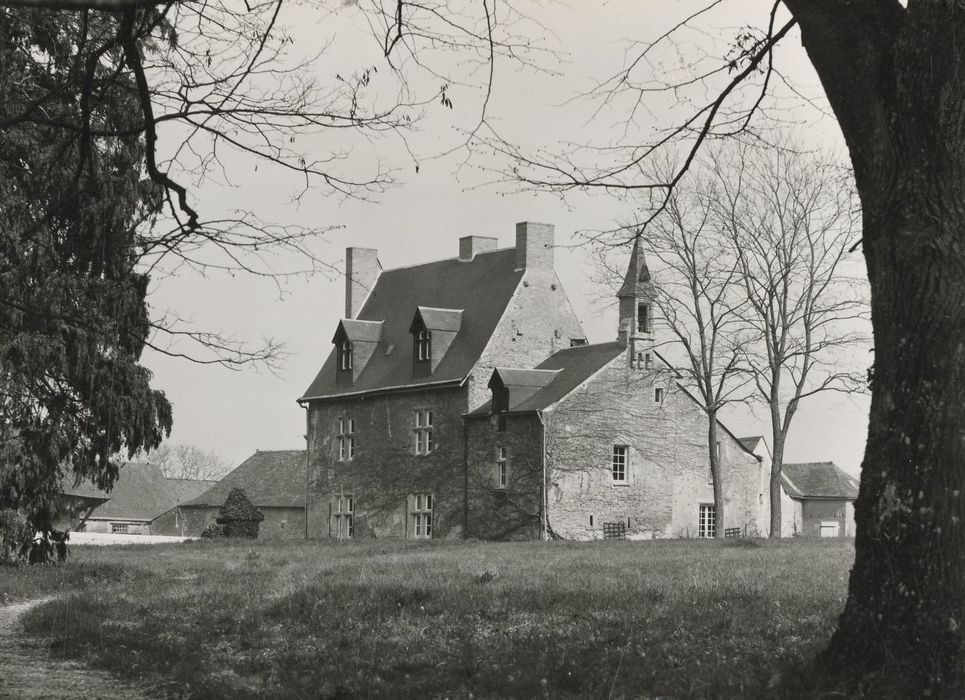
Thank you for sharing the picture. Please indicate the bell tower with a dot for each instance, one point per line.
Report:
(638, 308)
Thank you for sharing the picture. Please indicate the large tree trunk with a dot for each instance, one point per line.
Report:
(777, 465)
(896, 80)
(906, 604)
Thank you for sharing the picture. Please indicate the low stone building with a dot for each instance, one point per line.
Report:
(817, 500)
(603, 439)
(274, 482)
(140, 494)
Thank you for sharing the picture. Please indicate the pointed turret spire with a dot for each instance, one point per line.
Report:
(637, 299)
(638, 274)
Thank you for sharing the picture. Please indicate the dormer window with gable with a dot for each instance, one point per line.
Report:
(433, 332)
(345, 356)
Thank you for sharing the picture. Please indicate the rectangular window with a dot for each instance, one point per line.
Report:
(119, 528)
(502, 467)
(345, 439)
(618, 464)
(423, 432)
(707, 521)
(424, 345)
(345, 355)
(658, 394)
(344, 516)
(422, 516)
(647, 361)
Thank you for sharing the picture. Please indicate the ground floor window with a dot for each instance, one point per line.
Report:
(119, 528)
(707, 523)
(344, 516)
(422, 516)
(502, 467)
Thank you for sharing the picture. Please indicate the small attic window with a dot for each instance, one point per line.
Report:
(423, 345)
(344, 355)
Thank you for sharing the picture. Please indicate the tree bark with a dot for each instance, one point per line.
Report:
(905, 614)
(715, 472)
(777, 465)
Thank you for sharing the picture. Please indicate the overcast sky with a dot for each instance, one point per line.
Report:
(236, 412)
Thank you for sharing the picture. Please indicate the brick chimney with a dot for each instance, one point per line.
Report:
(534, 246)
(362, 269)
(471, 246)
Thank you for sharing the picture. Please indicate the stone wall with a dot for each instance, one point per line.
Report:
(513, 512)
(817, 511)
(190, 521)
(385, 470)
(538, 321)
(668, 472)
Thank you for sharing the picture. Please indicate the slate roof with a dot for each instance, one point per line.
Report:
(273, 478)
(575, 366)
(142, 492)
(481, 288)
(818, 480)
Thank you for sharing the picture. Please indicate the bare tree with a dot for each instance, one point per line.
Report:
(188, 462)
(892, 73)
(701, 304)
(791, 219)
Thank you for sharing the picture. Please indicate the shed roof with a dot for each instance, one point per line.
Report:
(481, 288)
(268, 478)
(818, 480)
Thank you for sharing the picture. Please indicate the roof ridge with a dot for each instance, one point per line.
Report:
(455, 258)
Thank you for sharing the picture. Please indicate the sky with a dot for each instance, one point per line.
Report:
(235, 412)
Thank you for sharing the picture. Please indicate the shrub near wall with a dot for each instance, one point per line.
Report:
(239, 517)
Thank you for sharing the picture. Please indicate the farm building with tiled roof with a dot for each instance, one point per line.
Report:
(140, 494)
(817, 500)
(274, 482)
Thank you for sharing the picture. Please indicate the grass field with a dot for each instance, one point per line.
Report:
(618, 619)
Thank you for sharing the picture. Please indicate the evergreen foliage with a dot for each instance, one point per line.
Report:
(73, 316)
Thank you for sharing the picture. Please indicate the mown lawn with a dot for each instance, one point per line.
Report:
(305, 620)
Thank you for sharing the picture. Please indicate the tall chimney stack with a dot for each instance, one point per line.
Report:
(534, 246)
(362, 269)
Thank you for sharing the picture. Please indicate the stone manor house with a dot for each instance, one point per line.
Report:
(461, 398)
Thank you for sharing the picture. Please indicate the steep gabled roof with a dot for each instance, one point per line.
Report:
(818, 480)
(572, 366)
(481, 288)
(268, 478)
(141, 492)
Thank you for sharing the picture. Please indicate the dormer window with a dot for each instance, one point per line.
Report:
(424, 345)
(643, 318)
(345, 355)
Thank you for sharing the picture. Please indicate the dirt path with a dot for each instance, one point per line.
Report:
(28, 671)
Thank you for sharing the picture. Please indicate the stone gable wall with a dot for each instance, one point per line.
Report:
(668, 472)
(386, 470)
(537, 321)
(514, 512)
